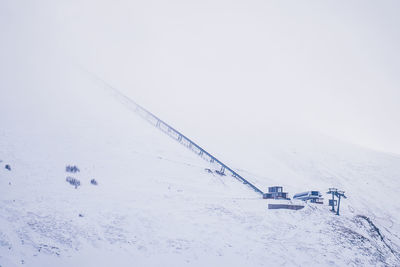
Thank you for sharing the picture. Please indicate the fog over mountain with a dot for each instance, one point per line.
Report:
(328, 66)
(298, 94)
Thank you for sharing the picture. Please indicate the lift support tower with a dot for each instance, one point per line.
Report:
(332, 202)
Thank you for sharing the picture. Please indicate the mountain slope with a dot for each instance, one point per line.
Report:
(155, 204)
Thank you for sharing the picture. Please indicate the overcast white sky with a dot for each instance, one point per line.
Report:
(234, 67)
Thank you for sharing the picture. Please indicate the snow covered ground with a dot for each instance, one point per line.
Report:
(155, 205)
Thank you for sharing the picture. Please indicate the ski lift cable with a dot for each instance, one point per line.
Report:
(170, 131)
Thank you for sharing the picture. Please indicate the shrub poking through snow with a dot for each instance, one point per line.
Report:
(72, 169)
(8, 167)
(208, 170)
(93, 182)
(73, 181)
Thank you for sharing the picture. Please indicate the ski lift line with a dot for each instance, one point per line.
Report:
(169, 130)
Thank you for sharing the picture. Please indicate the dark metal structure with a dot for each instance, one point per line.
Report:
(276, 192)
(285, 206)
(312, 196)
(332, 202)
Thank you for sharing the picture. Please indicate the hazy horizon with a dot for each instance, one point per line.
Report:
(226, 69)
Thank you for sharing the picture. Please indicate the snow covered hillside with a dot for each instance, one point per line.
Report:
(155, 205)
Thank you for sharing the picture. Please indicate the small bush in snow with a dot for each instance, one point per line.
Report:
(72, 169)
(73, 181)
(93, 182)
(8, 167)
(208, 170)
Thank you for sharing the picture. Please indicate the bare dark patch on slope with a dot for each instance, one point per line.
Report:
(360, 233)
(375, 232)
(350, 239)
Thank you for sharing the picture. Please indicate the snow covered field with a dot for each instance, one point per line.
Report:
(155, 205)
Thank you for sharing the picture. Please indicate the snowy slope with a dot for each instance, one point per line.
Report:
(156, 205)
